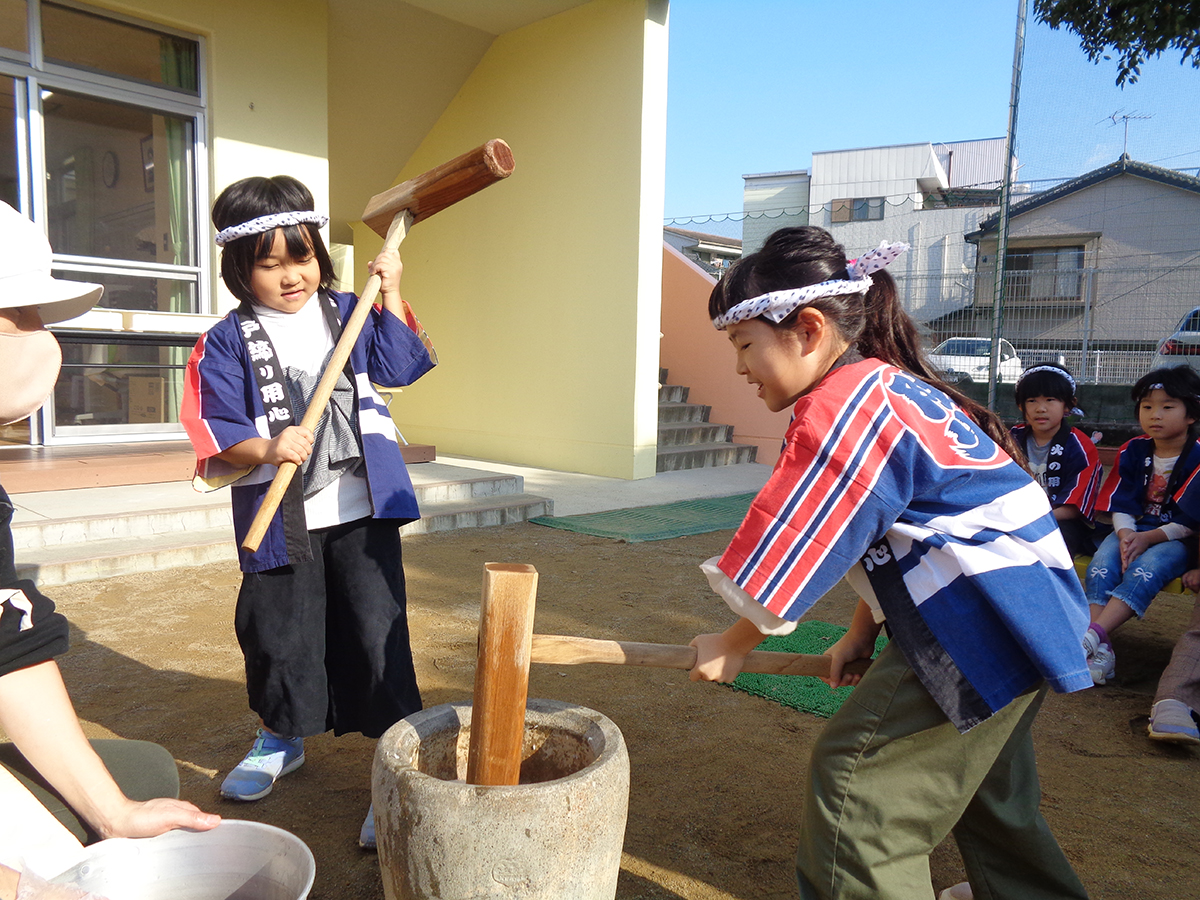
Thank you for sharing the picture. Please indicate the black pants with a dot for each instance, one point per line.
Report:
(141, 769)
(326, 642)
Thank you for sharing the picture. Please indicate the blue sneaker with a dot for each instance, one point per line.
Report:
(366, 834)
(270, 758)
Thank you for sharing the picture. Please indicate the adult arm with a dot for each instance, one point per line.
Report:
(39, 719)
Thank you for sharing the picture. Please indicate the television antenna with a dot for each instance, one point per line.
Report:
(1122, 116)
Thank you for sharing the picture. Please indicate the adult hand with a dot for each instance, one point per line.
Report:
(154, 817)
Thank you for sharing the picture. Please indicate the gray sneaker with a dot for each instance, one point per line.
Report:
(1171, 720)
(1103, 664)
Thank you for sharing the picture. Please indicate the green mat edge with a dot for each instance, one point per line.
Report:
(580, 524)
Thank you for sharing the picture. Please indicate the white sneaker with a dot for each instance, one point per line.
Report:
(1091, 641)
(1103, 664)
(960, 891)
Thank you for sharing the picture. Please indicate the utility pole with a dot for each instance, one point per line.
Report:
(1010, 151)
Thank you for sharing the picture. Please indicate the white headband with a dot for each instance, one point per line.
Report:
(1074, 410)
(270, 223)
(778, 305)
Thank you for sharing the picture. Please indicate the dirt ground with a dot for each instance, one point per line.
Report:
(713, 812)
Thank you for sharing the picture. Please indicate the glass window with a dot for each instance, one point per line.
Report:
(14, 34)
(1053, 273)
(118, 180)
(85, 40)
(868, 209)
(115, 381)
(840, 210)
(141, 292)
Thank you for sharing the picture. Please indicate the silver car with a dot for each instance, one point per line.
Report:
(968, 358)
(1183, 346)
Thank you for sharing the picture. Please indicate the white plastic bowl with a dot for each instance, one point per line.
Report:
(237, 860)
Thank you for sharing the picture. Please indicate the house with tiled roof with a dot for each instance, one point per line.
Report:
(1105, 262)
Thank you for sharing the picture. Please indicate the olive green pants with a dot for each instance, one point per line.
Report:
(141, 769)
(890, 777)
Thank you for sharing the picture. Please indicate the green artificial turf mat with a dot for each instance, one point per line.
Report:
(801, 692)
(657, 523)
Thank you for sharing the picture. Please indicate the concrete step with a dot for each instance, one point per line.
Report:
(672, 393)
(67, 549)
(694, 433)
(499, 510)
(672, 413)
(699, 456)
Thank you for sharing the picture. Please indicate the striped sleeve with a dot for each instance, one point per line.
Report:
(819, 512)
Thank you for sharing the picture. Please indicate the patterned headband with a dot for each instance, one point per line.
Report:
(270, 223)
(1055, 369)
(778, 305)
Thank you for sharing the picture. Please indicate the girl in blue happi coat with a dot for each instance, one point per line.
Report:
(321, 615)
(1154, 497)
(905, 487)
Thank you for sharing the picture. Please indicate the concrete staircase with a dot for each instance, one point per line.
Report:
(687, 440)
(65, 548)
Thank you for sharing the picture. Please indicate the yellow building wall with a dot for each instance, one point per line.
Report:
(267, 81)
(542, 292)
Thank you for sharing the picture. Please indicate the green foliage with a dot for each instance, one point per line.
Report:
(1132, 30)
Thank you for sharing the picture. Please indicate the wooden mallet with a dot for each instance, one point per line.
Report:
(507, 645)
(389, 214)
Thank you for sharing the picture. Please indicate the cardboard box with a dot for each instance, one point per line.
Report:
(146, 399)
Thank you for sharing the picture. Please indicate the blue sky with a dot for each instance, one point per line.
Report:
(758, 85)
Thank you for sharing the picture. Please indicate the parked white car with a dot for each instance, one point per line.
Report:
(968, 358)
(1183, 346)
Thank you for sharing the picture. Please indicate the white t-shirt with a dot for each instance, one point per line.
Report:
(302, 341)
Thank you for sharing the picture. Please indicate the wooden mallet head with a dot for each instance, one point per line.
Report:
(442, 186)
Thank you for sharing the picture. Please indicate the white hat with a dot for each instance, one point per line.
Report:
(25, 278)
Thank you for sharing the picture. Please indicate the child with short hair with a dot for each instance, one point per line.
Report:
(1061, 458)
(321, 614)
(1154, 499)
(900, 483)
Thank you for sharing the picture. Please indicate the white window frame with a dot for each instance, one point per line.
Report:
(37, 75)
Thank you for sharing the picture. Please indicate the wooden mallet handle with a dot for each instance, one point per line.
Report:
(557, 649)
(389, 214)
